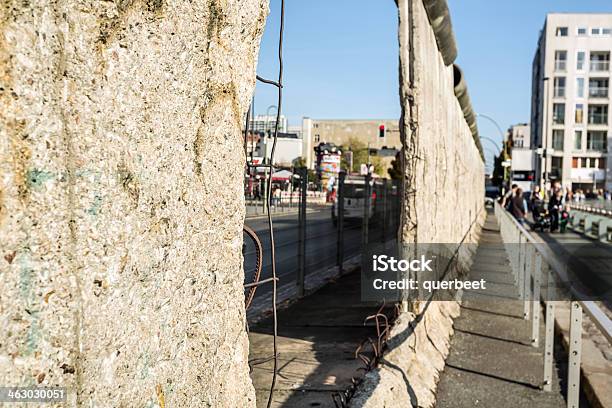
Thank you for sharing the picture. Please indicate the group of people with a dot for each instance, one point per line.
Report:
(558, 208)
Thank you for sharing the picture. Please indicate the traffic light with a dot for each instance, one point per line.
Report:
(381, 131)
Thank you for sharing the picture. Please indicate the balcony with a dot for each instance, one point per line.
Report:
(559, 92)
(600, 66)
(597, 147)
(598, 118)
(598, 92)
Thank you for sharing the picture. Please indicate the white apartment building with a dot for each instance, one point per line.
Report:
(570, 106)
(266, 124)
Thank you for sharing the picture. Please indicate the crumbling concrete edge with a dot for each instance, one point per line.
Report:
(416, 350)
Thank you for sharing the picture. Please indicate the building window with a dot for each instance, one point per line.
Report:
(595, 31)
(580, 57)
(588, 162)
(559, 87)
(597, 141)
(582, 31)
(317, 138)
(606, 31)
(580, 87)
(560, 60)
(561, 32)
(579, 116)
(600, 61)
(559, 113)
(556, 167)
(578, 140)
(598, 114)
(598, 87)
(557, 139)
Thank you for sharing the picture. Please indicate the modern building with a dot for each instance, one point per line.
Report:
(570, 104)
(266, 124)
(522, 157)
(340, 132)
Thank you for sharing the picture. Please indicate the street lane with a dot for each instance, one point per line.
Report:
(321, 245)
(588, 259)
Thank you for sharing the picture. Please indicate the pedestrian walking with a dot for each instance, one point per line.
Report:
(507, 199)
(555, 206)
(518, 206)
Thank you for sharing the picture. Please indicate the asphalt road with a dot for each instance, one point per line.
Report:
(321, 245)
(589, 260)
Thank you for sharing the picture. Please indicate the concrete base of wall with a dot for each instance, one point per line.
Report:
(416, 351)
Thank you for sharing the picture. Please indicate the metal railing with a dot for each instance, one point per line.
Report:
(599, 66)
(598, 118)
(598, 92)
(531, 262)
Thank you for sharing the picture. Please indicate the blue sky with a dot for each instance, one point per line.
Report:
(341, 56)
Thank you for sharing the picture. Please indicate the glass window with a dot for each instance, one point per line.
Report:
(598, 114)
(560, 60)
(561, 32)
(579, 117)
(606, 31)
(595, 31)
(580, 57)
(600, 61)
(598, 87)
(580, 87)
(559, 88)
(559, 113)
(582, 31)
(597, 140)
(578, 140)
(557, 139)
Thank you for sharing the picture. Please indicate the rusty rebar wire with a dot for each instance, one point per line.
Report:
(279, 106)
(258, 265)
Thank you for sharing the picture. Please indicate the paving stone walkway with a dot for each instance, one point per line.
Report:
(492, 362)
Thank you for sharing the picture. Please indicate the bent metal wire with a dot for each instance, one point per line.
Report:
(274, 280)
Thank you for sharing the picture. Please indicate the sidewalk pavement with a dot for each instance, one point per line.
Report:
(318, 336)
(492, 362)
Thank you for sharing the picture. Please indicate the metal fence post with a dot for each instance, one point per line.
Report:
(575, 351)
(527, 265)
(303, 172)
(340, 220)
(385, 216)
(366, 213)
(549, 345)
(536, 262)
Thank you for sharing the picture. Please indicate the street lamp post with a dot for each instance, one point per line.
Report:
(501, 133)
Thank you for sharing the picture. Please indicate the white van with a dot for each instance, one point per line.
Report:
(354, 199)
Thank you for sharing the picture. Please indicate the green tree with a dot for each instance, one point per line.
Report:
(395, 172)
(360, 156)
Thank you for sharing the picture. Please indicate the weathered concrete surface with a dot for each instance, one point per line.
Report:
(443, 203)
(444, 184)
(120, 206)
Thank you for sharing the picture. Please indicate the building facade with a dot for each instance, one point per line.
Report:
(522, 167)
(341, 131)
(267, 123)
(570, 104)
